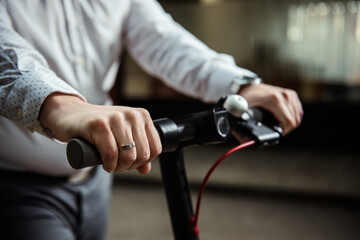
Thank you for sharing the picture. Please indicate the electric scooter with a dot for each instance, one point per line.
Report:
(214, 126)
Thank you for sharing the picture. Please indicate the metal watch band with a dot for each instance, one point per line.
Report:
(238, 82)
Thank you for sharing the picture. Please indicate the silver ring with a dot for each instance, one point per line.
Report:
(127, 146)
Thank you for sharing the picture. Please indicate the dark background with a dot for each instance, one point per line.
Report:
(256, 33)
(307, 187)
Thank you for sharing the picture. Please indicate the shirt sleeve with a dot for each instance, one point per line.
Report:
(25, 78)
(166, 50)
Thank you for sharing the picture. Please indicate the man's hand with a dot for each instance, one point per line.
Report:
(283, 103)
(107, 127)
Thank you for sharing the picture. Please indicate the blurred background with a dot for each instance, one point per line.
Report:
(307, 187)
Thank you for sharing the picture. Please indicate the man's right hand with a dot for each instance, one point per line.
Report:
(107, 127)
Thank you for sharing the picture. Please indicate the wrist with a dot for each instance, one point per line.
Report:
(240, 83)
(55, 104)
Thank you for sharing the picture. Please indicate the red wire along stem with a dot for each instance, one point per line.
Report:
(194, 220)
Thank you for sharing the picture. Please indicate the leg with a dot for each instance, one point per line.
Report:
(36, 207)
(40, 207)
(29, 221)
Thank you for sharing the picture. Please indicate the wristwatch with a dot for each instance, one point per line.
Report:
(243, 81)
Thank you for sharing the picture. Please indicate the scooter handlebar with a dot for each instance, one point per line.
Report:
(198, 128)
(202, 128)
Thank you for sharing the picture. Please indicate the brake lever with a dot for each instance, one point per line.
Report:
(256, 124)
(258, 131)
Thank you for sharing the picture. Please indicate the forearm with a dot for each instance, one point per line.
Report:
(25, 78)
(23, 91)
(168, 51)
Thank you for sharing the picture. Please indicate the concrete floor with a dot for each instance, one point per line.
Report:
(268, 194)
(141, 213)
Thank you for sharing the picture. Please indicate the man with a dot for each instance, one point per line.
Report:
(57, 61)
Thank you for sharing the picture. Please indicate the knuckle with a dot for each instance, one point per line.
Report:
(138, 115)
(292, 92)
(289, 93)
(129, 159)
(132, 115)
(145, 113)
(291, 123)
(145, 156)
(157, 150)
(97, 124)
(301, 115)
(125, 161)
(116, 118)
(276, 97)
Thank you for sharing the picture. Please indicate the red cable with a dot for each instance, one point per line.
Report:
(194, 220)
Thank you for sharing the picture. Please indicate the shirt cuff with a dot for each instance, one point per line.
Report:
(24, 100)
(222, 79)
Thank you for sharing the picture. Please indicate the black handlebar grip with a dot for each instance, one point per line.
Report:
(80, 154)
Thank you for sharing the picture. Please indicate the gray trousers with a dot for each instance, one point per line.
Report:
(39, 207)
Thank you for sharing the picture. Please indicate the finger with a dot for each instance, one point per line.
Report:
(154, 140)
(138, 118)
(126, 156)
(287, 121)
(295, 106)
(145, 169)
(142, 146)
(289, 101)
(123, 135)
(299, 109)
(282, 112)
(151, 144)
(107, 146)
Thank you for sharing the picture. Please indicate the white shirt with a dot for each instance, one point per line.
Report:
(73, 46)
